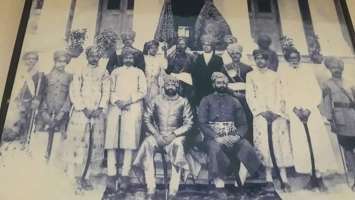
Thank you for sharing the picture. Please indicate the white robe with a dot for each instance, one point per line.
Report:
(154, 71)
(263, 93)
(126, 83)
(301, 90)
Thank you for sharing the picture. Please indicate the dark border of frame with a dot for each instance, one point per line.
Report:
(21, 35)
(14, 63)
(348, 21)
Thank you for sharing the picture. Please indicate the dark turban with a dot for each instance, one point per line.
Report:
(264, 39)
(183, 39)
(127, 52)
(63, 53)
(289, 51)
(260, 52)
(30, 53)
(148, 45)
(333, 61)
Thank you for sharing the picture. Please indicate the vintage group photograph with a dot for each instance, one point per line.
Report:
(181, 100)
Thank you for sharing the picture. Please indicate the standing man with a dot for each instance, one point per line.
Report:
(181, 61)
(237, 71)
(264, 42)
(27, 94)
(53, 115)
(222, 122)
(339, 105)
(116, 59)
(264, 96)
(89, 93)
(124, 118)
(205, 65)
(303, 95)
(168, 120)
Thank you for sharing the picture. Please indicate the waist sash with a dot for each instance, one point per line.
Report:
(223, 128)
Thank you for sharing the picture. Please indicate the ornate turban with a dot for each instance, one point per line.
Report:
(333, 61)
(128, 35)
(207, 39)
(91, 49)
(217, 75)
(183, 39)
(30, 53)
(260, 52)
(227, 38)
(148, 45)
(235, 47)
(170, 79)
(60, 53)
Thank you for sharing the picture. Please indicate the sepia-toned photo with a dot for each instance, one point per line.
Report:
(182, 100)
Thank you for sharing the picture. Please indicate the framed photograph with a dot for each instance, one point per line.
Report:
(180, 99)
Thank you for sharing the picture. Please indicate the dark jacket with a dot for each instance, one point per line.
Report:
(201, 75)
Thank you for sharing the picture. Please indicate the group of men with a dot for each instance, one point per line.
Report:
(175, 117)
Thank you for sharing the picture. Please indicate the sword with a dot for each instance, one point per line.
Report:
(34, 113)
(90, 124)
(51, 131)
(117, 153)
(272, 155)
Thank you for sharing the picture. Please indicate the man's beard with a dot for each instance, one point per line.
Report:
(128, 64)
(221, 90)
(170, 92)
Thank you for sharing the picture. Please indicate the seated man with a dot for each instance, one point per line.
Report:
(168, 119)
(223, 123)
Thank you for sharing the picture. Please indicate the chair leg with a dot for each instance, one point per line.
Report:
(237, 179)
(165, 169)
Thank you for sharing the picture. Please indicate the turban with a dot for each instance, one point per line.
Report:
(30, 53)
(183, 39)
(333, 61)
(264, 39)
(260, 52)
(170, 79)
(227, 38)
(152, 43)
(289, 51)
(207, 39)
(91, 49)
(130, 35)
(63, 53)
(127, 52)
(237, 48)
(217, 75)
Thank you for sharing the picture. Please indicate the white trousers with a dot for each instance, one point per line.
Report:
(38, 146)
(243, 172)
(151, 182)
(127, 162)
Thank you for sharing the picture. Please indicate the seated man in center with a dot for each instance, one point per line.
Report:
(223, 123)
(168, 119)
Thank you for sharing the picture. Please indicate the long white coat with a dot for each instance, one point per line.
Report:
(126, 83)
(301, 90)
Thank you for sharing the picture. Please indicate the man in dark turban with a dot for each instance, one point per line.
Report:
(116, 59)
(264, 42)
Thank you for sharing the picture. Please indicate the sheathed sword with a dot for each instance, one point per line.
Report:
(51, 131)
(90, 124)
(313, 177)
(272, 155)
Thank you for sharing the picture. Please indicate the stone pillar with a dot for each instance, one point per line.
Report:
(145, 20)
(291, 24)
(327, 26)
(351, 8)
(235, 12)
(86, 16)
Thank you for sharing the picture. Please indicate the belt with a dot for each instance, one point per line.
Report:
(343, 105)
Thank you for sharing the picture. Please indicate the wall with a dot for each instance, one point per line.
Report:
(10, 15)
